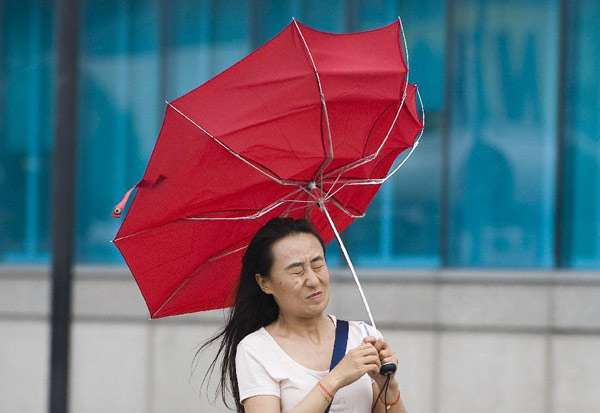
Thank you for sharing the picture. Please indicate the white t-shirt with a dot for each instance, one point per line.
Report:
(264, 368)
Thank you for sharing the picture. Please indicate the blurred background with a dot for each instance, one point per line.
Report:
(480, 258)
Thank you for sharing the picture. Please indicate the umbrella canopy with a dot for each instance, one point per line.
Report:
(308, 125)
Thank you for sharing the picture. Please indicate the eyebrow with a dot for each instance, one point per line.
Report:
(299, 264)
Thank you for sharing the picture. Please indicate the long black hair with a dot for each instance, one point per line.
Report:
(252, 308)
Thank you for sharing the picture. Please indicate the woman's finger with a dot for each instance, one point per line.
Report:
(381, 344)
(372, 360)
(391, 359)
(365, 345)
(368, 350)
(370, 340)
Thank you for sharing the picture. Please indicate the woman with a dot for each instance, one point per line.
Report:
(277, 344)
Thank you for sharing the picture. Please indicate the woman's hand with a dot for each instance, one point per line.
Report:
(386, 355)
(358, 361)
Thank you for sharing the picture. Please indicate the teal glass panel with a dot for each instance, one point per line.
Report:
(26, 129)
(581, 196)
(503, 134)
(328, 16)
(202, 38)
(230, 34)
(188, 49)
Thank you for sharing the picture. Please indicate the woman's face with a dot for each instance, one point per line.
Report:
(299, 279)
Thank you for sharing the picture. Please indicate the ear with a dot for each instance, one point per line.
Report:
(263, 283)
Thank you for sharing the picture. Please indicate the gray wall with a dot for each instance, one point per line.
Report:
(468, 341)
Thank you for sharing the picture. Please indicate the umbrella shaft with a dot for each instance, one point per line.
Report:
(360, 290)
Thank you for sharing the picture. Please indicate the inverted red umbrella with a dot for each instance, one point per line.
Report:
(308, 125)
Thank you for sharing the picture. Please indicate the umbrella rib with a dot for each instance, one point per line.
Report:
(369, 158)
(414, 145)
(223, 255)
(189, 277)
(289, 209)
(329, 158)
(186, 218)
(258, 214)
(380, 181)
(344, 210)
(237, 155)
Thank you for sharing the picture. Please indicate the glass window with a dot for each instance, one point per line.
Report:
(328, 16)
(581, 201)
(188, 50)
(503, 135)
(26, 129)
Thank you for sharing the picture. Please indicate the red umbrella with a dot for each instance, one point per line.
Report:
(308, 125)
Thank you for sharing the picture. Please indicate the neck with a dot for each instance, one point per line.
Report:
(314, 328)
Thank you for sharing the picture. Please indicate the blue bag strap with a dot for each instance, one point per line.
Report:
(339, 347)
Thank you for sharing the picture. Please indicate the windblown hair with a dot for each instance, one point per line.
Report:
(252, 308)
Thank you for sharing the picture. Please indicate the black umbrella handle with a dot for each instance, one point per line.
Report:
(387, 369)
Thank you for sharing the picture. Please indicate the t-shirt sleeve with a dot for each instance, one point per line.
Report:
(252, 376)
(367, 329)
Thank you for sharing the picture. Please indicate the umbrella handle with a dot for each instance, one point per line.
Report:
(387, 369)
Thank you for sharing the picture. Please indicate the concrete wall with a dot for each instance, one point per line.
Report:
(468, 341)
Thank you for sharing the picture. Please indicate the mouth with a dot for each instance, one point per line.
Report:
(315, 295)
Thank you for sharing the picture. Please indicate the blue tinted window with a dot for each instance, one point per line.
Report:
(581, 201)
(26, 129)
(503, 136)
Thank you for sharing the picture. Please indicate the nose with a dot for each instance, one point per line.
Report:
(312, 278)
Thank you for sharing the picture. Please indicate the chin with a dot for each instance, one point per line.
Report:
(320, 307)
(317, 308)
